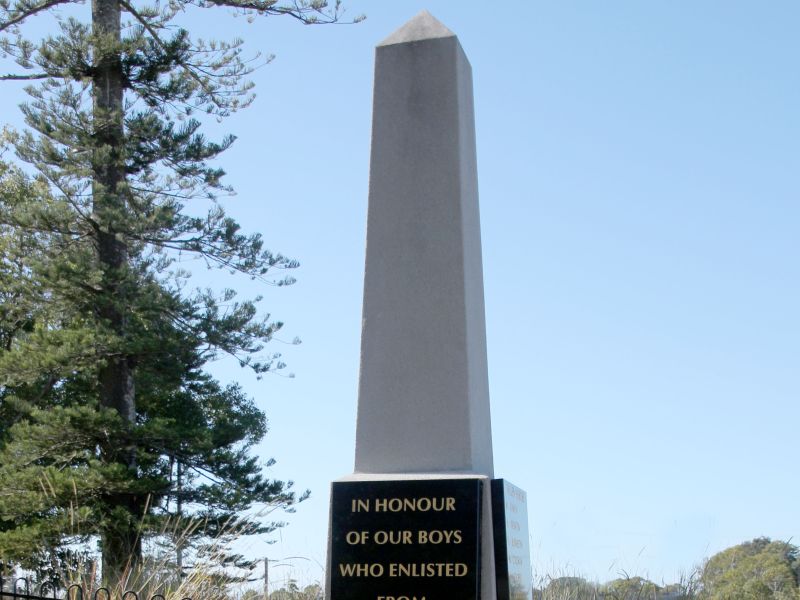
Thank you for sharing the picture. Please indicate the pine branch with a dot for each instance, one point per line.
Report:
(305, 13)
(14, 77)
(30, 12)
(157, 39)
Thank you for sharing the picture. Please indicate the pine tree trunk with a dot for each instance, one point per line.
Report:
(120, 544)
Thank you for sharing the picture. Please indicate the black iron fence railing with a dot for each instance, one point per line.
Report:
(22, 589)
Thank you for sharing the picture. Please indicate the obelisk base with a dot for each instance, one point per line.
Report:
(421, 535)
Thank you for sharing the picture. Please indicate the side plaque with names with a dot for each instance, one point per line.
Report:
(405, 539)
(512, 553)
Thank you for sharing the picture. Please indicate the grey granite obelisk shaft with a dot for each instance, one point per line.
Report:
(423, 404)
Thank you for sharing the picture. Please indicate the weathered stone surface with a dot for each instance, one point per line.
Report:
(423, 392)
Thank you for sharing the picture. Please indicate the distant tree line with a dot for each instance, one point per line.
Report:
(761, 569)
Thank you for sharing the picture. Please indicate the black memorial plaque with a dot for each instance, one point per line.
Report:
(405, 540)
(511, 549)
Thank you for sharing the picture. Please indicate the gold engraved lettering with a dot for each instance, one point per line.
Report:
(428, 570)
(437, 536)
(361, 570)
(392, 537)
(356, 537)
(423, 504)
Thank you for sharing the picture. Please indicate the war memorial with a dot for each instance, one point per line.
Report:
(423, 517)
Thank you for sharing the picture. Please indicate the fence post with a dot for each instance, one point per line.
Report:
(266, 578)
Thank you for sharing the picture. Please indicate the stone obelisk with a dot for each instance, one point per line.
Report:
(415, 518)
(423, 392)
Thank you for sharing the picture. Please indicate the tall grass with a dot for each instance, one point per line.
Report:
(208, 571)
(570, 586)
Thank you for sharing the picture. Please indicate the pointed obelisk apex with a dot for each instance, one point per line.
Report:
(423, 403)
(422, 27)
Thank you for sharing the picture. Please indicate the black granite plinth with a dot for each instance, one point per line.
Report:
(404, 540)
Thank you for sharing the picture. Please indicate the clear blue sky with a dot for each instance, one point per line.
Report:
(639, 169)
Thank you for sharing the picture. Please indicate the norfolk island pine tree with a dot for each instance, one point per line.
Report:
(103, 397)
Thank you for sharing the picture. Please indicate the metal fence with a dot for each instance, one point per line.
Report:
(21, 589)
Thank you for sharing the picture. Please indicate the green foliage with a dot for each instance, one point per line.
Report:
(631, 588)
(566, 588)
(624, 588)
(109, 426)
(64, 476)
(291, 591)
(756, 570)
